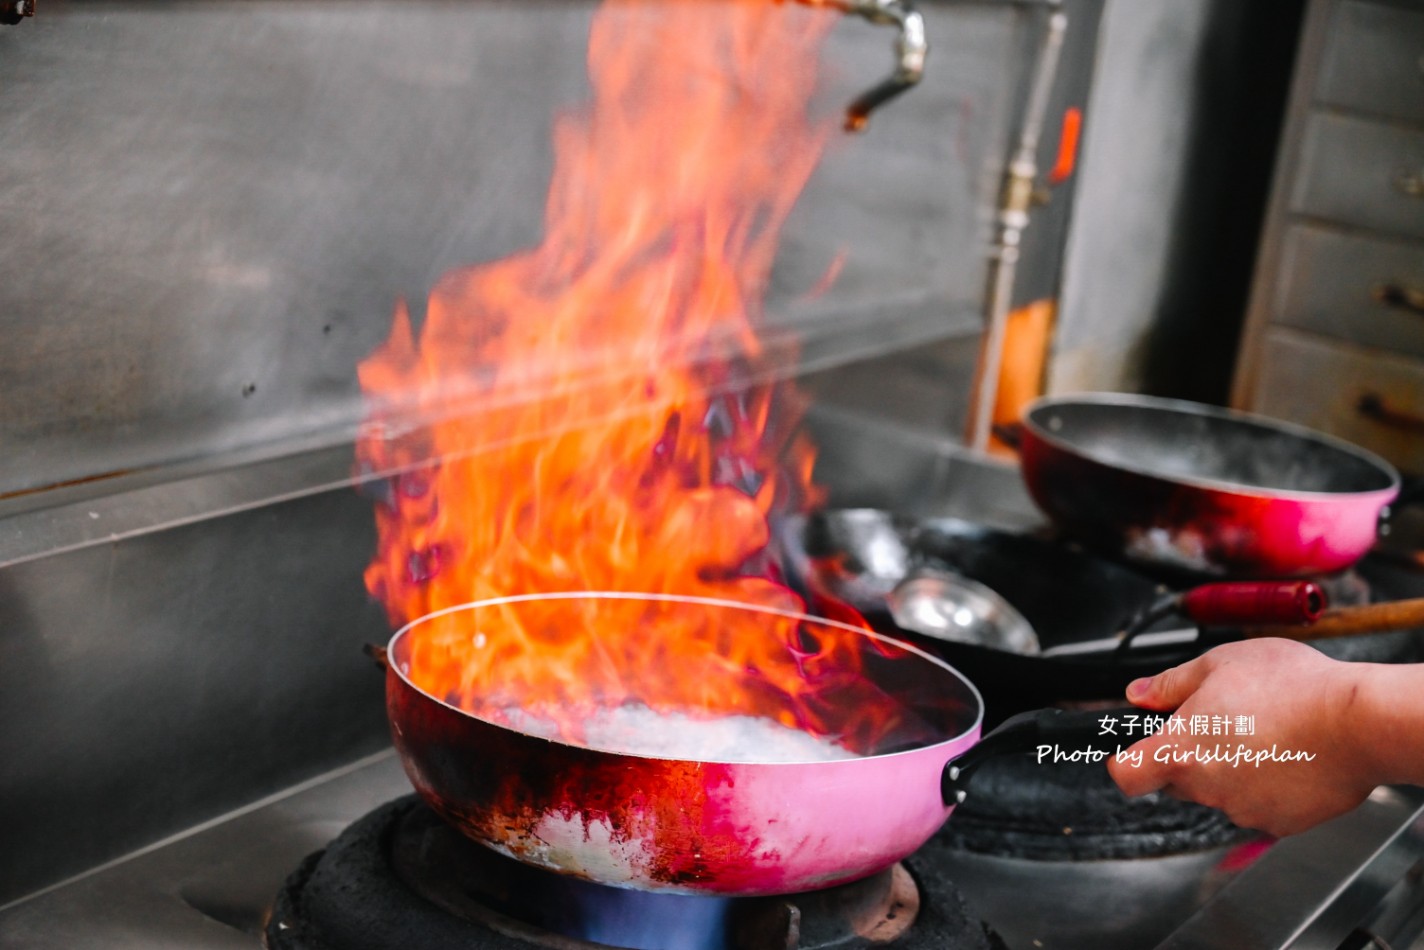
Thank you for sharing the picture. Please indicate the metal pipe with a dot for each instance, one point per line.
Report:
(1013, 217)
(911, 49)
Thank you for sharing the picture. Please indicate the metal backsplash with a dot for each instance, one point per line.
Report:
(150, 684)
(209, 209)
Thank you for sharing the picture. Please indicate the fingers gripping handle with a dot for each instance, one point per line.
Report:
(1026, 732)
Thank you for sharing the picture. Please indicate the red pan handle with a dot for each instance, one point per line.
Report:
(1253, 603)
(1234, 604)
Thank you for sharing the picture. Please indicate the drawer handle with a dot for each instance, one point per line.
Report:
(1411, 183)
(1400, 297)
(1372, 406)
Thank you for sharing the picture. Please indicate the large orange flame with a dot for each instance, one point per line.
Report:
(598, 405)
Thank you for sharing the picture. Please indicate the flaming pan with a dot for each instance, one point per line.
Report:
(1203, 489)
(784, 753)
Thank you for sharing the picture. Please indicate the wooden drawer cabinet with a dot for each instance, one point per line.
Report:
(1359, 394)
(1374, 60)
(1334, 338)
(1362, 172)
(1353, 287)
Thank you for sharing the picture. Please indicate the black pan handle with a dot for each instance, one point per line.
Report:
(1070, 731)
(378, 654)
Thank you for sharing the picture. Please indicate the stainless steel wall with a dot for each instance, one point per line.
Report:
(148, 684)
(209, 209)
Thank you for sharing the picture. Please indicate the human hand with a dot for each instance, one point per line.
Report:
(1301, 702)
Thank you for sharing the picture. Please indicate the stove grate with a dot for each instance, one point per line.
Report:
(356, 895)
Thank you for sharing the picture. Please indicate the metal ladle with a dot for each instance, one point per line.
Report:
(950, 607)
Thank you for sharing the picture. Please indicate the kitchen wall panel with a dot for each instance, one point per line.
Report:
(153, 683)
(1176, 160)
(209, 209)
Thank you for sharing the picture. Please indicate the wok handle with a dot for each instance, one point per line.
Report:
(1347, 621)
(1070, 731)
(1232, 604)
(377, 653)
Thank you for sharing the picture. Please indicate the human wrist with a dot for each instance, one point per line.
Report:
(1370, 721)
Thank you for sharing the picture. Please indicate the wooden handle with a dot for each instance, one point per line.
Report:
(1346, 621)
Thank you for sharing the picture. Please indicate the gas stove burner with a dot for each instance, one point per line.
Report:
(1073, 812)
(401, 877)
